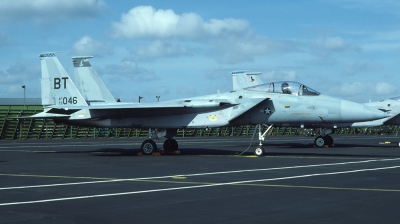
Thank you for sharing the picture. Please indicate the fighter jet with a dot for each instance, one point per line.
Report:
(279, 103)
(88, 79)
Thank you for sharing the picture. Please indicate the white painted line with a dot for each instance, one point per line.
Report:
(192, 187)
(198, 174)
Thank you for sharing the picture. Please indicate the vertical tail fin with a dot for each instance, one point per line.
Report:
(244, 79)
(57, 87)
(89, 83)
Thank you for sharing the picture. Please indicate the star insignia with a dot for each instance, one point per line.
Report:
(267, 111)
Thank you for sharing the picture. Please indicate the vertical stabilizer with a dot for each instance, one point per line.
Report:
(89, 83)
(244, 79)
(57, 87)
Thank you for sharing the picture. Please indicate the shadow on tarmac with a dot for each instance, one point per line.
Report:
(281, 150)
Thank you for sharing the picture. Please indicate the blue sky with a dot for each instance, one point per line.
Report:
(176, 49)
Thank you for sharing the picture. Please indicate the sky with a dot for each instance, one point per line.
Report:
(176, 49)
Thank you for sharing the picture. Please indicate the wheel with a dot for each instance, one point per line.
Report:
(328, 140)
(259, 151)
(319, 141)
(170, 145)
(148, 147)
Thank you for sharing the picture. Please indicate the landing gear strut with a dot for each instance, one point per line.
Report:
(260, 150)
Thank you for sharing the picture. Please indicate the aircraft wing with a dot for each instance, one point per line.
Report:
(142, 109)
(374, 123)
(393, 120)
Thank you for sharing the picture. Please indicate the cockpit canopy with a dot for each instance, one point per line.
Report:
(284, 87)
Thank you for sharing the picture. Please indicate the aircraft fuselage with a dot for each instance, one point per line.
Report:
(274, 108)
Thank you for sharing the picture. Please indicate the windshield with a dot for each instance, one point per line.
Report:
(293, 88)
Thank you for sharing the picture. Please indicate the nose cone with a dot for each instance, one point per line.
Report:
(355, 112)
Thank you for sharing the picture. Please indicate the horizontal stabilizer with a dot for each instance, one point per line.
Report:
(62, 111)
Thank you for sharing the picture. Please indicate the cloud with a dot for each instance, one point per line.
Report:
(383, 88)
(236, 49)
(335, 44)
(360, 67)
(274, 75)
(147, 22)
(50, 11)
(160, 49)
(128, 69)
(219, 74)
(357, 88)
(186, 91)
(332, 43)
(229, 41)
(352, 88)
(5, 40)
(159, 91)
(17, 75)
(382, 6)
(88, 46)
(383, 41)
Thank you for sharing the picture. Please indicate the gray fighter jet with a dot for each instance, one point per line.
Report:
(90, 84)
(279, 103)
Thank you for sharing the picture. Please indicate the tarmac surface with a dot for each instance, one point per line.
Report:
(105, 181)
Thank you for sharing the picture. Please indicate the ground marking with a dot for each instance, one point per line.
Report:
(108, 180)
(192, 187)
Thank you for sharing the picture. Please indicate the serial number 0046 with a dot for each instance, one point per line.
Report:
(66, 100)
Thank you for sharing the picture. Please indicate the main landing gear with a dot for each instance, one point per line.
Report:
(324, 139)
(170, 145)
(149, 146)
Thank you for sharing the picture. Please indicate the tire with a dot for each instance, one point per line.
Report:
(328, 140)
(148, 147)
(319, 141)
(259, 151)
(170, 145)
